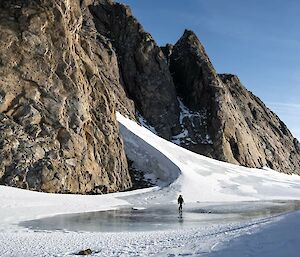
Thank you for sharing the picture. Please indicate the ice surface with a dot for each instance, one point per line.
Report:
(161, 217)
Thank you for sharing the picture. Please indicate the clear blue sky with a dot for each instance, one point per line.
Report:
(259, 40)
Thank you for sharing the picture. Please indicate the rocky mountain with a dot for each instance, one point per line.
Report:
(226, 121)
(67, 66)
(57, 110)
(222, 118)
(143, 68)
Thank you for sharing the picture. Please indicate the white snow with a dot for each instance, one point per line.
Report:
(176, 171)
(203, 179)
(278, 239)
(145, 124)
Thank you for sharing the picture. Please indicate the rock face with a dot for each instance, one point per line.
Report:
(201, 92)
(222, 119)
(67, 66)
(144, 71)
(57, 110)
(254, 135)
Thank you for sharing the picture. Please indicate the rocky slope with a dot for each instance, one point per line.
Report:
(67, 66)
(57, 110)
(226, 121)
(256, 135)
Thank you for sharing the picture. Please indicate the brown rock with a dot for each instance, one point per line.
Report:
(85, 252)
(67, 66)
(58, 76)
(223, 119)
(255, 135)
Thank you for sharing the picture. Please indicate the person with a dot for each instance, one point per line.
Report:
(180, 202)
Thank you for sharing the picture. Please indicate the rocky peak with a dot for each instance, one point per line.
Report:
(255, 135)
(193, 73)
(190, 44)
(226, 121)
(67, 66)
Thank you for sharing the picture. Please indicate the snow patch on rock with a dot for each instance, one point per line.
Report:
(191, 117)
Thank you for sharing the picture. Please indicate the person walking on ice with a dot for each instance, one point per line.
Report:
(180, 201)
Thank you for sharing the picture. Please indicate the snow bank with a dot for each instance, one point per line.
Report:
(278, 239)
(156, 166)
(18, 204)
(201, 178)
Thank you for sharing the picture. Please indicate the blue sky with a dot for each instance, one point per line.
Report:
(259, 40)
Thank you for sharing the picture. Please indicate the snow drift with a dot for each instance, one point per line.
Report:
(200, 178)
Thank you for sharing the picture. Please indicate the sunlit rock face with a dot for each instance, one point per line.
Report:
(57, 107)
(66, 67)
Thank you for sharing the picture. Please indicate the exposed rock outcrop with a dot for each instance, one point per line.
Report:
(67, 66)
(202, 92)
(57, 110)
(144, 71)
(225, 120)
(254, 134)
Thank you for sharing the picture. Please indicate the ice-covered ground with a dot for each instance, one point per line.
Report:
(175, 170)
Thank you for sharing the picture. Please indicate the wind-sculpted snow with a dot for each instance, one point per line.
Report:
(266, 243)
(156, 166)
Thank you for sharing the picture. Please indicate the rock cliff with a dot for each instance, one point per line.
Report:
(67, 66)
(255, 135)
(143, 68)
(57, 110)
(222, 119)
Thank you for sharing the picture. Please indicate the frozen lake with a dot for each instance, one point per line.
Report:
(161, 217)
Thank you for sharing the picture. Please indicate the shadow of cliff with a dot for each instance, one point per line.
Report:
(154, 164)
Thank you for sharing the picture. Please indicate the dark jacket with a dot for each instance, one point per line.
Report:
(180, 200)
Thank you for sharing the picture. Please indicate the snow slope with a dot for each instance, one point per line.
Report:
(200, 178)
(175, 170)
